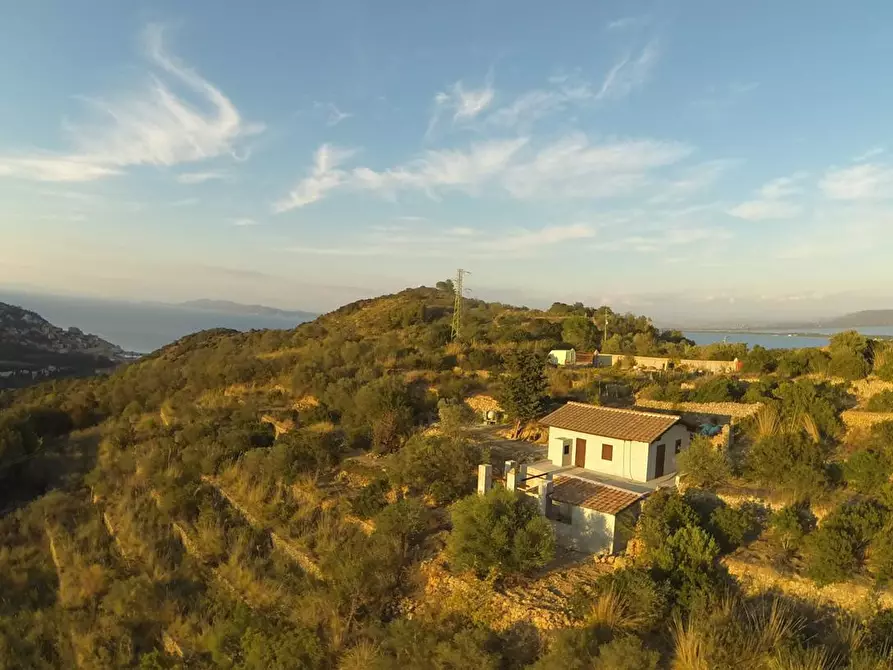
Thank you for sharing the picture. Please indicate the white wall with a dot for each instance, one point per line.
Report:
(629, 459)
(589, 531)
(677, 432)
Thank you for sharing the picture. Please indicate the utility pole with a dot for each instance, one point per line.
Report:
(457, 305)
(605, 332)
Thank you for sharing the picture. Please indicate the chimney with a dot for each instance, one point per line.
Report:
(485, 478)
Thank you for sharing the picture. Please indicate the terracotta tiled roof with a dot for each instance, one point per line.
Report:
(621, 424)
(592, 495)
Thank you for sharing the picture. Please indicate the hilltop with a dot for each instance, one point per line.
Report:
(31, 349)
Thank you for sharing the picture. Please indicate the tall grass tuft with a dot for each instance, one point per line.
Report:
(691, 644)
(767, 422)
(611, 612)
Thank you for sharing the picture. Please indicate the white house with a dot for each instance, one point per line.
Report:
(602, 463)
(619, 443)
(563, 357)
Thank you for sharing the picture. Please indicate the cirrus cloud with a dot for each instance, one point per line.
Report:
(153, 127)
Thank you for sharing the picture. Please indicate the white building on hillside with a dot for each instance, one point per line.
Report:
(602, 462)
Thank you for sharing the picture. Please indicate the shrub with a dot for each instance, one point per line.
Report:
(626, 653)
(663, 513)
(789, 461)
(717, 389)
(868, 471)
(881, 555)
(880, 402)
(733, 526)
(371, 499)
(441, 467)
(835, 551)
(704, 465)
(790, 525)
(500, 533)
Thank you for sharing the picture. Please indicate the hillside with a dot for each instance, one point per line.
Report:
(282, 499)
(866, 318)
(32, 349)
(229, 307)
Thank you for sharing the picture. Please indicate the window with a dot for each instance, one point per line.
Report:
(607, 452)
(678, 447)
(567, 448)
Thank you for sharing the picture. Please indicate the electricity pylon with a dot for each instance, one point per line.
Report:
(457, 304)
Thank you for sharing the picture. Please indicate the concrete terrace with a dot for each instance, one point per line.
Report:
(547, 467)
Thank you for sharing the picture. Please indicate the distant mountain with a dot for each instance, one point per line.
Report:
(229, 307)
(865, 318)
(32, 349)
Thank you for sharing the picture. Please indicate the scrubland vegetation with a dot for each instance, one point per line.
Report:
(274, 500)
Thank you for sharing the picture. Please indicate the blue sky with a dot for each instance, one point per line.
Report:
(678, 158)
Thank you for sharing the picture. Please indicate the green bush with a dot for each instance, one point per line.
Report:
(834, 552)
(371, 498)
(703, 465)
(443, 467)
(868, 471)
(733, 526)
(717, 389)
(501, 533)
(626, 653)
(791, 462)
(880, 402)
(790, 525)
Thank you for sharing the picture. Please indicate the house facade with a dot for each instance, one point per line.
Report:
(619, 443)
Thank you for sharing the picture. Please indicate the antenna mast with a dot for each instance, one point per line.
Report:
(457, 304)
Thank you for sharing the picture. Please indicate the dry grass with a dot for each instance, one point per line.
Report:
(768, 423)
(810, 427)
(611, 611)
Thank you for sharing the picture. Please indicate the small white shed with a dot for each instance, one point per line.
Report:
(563, 357)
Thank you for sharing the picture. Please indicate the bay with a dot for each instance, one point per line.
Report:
(139, 327)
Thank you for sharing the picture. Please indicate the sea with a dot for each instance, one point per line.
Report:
(136, 326)
(817, 337)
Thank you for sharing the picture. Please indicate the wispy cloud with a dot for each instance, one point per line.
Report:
(324, 176)
(334, 116)
(462, 231)
(527, 240)
(241, 223)
(200, 177)
(153, 127)
(464, 104)
(568, 167)
(626, 22)
(868, 181)
(870, 153)
(443, 169)
(772, 201)
(572, 167)
(629, 73)
(692, 181)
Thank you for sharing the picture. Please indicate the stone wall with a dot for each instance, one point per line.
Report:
(659, 363)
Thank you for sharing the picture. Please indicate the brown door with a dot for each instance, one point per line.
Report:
(580, 453)
(659, 460)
